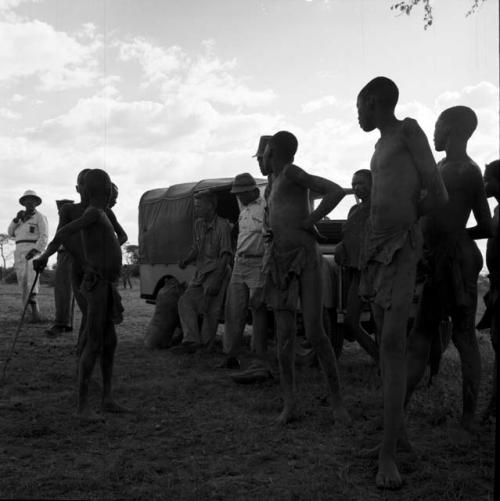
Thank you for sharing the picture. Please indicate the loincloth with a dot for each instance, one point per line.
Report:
(94, 284)
(282, 271)
(382, 263)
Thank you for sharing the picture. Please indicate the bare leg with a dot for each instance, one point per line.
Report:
(352, 320)
(285, 323)
(312, 304)
(107, 359)
(466, 343)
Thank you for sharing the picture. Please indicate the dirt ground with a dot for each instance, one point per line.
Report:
(194, 434)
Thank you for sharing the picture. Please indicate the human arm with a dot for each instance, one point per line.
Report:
(90, 216)
(120, 232)
(191, 256)
(480, 207)
(432, 184)
(332, 193)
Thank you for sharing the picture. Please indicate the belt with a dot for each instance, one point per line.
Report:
(26, 241)
(247, 256)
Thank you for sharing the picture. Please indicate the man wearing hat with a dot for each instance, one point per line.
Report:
(247, 280)
(30, 230)
(211, 252)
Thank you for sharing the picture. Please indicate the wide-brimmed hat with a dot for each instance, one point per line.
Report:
(262, 145)
(243, 182)
(32, 194)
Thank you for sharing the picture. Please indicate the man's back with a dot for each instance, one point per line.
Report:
(464, 184)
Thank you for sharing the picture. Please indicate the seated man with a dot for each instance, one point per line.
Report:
(212, 252)
(100, 259)
(347, 254)
(247, 280)
(293, 267)
(453, 258)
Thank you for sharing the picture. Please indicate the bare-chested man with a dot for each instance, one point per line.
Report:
(292, 265)
(403, 168)
(453, 259)
(100, 261)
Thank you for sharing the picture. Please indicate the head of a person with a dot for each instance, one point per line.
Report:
(378, 96)
(457, 123)
(97, 187)
(30, 200)
(80, 181)
(114, 195)
(260, 154)
(205, 204)
(280, 150)
(492, 179)
(245, 188)
(362, 183)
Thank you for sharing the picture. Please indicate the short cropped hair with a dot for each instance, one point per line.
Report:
(493, 169)
(364, 172)
(81, 175)
(98, 184)
(383, 89)
(285, 145)
(462, 119)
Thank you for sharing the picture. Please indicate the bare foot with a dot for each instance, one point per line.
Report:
(110, 405)
(287, 415)
(89, 416)
(388, 476)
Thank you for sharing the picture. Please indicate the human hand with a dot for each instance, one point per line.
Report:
(32, 253)
(40, 263)
(19, 216)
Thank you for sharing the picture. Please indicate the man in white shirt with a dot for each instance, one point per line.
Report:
(247, 280)
(30, 230)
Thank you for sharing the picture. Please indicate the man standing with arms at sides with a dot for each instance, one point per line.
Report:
(31, 231)
(347, 254)
(247, 280)
(63, 295)
(293, 267)
(406, 185)
(211, 251)
(454, 259)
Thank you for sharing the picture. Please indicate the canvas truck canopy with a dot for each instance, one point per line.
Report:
(166, 218)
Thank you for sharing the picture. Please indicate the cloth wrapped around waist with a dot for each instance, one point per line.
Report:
(92, 282)
(282, 270)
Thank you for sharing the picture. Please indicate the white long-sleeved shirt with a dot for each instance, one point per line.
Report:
(35, 229)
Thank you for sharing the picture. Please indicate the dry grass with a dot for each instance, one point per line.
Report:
(196, 435)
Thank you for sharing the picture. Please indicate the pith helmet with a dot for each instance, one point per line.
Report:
(32, 194)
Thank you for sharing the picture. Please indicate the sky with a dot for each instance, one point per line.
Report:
(159, 92)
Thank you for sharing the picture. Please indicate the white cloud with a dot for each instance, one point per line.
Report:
(9, 114)
(58, 60)
(319, 104)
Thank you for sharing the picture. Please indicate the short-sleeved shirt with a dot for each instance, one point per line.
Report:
(251, 220)
(211, 240)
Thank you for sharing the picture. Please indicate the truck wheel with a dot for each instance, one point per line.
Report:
(334, 330)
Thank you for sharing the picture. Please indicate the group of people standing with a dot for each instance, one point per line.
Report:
(412, 211)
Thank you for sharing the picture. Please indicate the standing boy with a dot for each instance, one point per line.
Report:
(100, 262)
